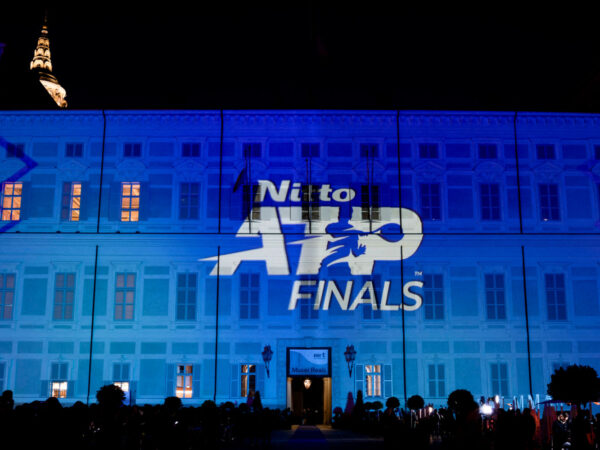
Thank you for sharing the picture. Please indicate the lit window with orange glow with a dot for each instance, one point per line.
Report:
(130, 202)
(71, 202)
(11, 201)
(183, 389)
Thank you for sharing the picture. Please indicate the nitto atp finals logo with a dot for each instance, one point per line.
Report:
(326, 242)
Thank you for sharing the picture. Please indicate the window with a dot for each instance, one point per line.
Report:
(74, 150)
(428, 151)
(545, 151)
(249, 295)
(124, 296)
(369, 150)
(185, 375)
(186, 296)
(121, 375)
(310, 203)
(64, 294)
(189, 201)
(58, 379)
(433, 296)
(549, 206)
(310, 150)
(555, 296)
(70, 209)
(490, 201)
(251, 150)
(132, 150)
(251, 201)
(190, 150)
(437, 380)
(367, 310)
(494, 296)
(431, 208)
(369, 201)
(11, 200)
(7, 295)
(487, 151)
(15, 150)
(597, 152)
(247, 379)
(130, 202)
(373, 380)
(307, 310)
(499, 375)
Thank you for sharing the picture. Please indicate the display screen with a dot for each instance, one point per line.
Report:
(314, 362)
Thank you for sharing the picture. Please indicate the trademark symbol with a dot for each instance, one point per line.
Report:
(418, 273)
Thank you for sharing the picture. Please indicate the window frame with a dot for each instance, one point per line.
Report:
(248, 375)
(499, 378)
(430, 201)
(132, 150)
(4, 291)
(373, 374)
(186, 289)
(553, 306)
(126, 308)
(9, 192)
(74, 150)
(249, 296)
(431, 304)
(189, 201)
(70, 209)
(59, 379)
(64, 307)
(184, 380)
(490, 202)
(191, 149)
(549, 202)
(495, 296)
(436, 380)
(130, 209)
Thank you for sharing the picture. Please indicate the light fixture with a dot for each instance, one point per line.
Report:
(307, 383)
(350, 355)
(267, 355)
(486, 409)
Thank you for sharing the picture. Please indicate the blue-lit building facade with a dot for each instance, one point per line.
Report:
(172, 247)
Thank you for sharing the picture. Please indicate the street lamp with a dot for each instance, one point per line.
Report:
(350, 355)
(267, 355)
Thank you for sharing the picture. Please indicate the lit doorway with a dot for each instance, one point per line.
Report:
(309, 399)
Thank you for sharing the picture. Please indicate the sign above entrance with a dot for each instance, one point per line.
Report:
(309, 362)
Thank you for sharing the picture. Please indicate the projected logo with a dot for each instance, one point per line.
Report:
(332, 240)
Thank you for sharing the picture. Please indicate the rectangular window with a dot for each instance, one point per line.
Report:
(431, 208)
(70, 207)
(490, 201)
(130, 202)
(251, 150)
(124, 296)
(74, 150)
(185, 375)
(499, 375)
(15, 150)
(545, 151)
(121, 375)
(487, 151)
(190, 150)
(64, 295)
(494, 296)
(549, 204)
(437, 380)
(132, 150)
(373, 380)
(369, 201)
(433, 296)
(247, 379)
(428, 151)
(187, 286)
(555, 296)
(369, 150)
(310, 203)
(307, 310)
(189, 201)
(58, 379)
(251, 201)
(310, 150)
(249, 295)
(7, 295)
(11, 200)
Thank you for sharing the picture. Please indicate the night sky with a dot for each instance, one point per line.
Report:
(312, 55)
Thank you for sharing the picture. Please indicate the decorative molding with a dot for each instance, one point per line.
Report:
(489, 171)
(131, 170)
(428, 171)
(73, 170)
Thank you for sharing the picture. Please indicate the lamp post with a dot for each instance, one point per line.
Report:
(267, 355)
(350, 355)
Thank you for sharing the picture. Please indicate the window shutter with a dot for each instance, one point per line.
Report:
(114, 203)
(144, 201)
(132, 392)
(359, 377)
(70, 388)
(85, 202)
(234, 390)
(196, 381)
(387, 380)
(26, 200)
(170, 383)
(45, 389)
(261, 373)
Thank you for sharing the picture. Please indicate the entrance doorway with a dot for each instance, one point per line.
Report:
(309, 399)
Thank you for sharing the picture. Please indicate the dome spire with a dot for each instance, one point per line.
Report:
(42, 64)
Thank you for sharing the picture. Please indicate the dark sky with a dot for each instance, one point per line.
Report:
(314, 55)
